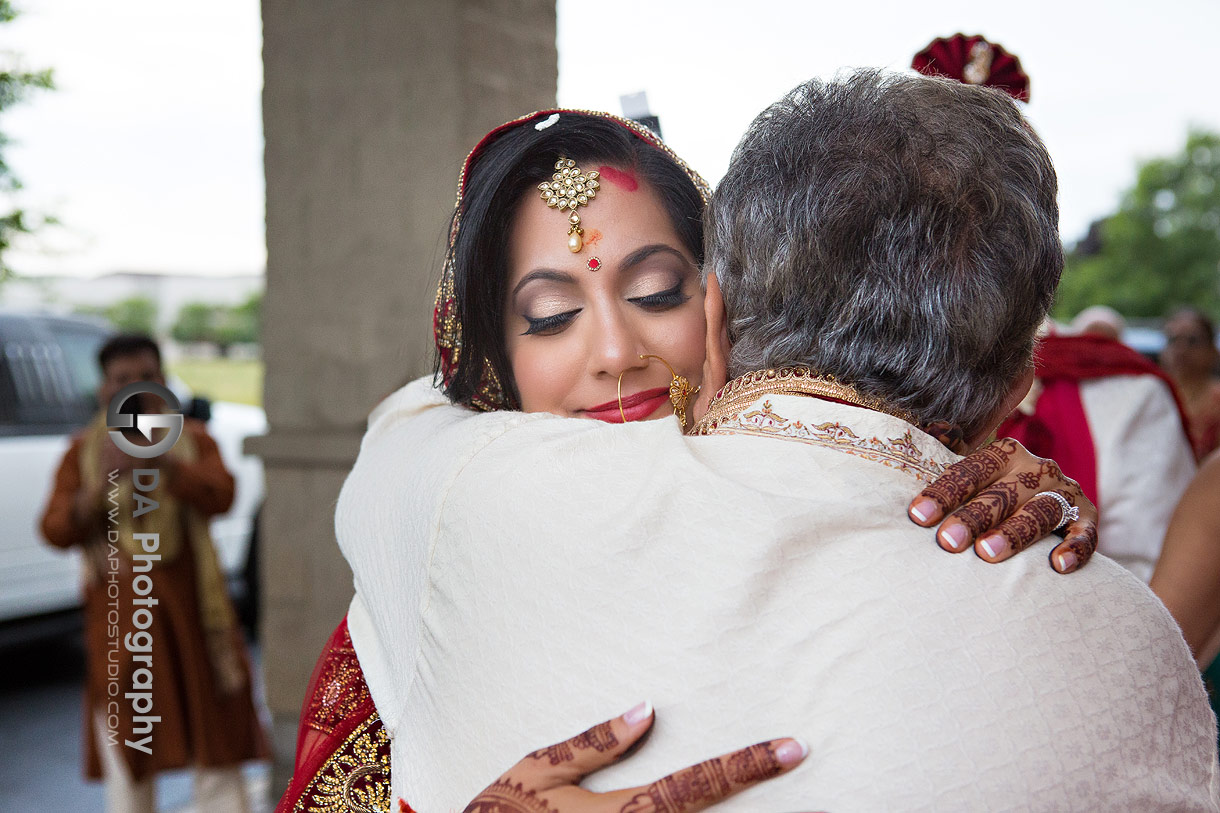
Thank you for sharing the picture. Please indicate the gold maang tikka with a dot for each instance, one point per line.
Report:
(568, 189)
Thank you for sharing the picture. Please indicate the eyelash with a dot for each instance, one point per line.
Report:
(549, 324)
(663, 300)
(653, 302)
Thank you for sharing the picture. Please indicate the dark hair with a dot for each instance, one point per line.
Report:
(899, 233)
(127, 344)
(1200, 318)
(501, 173)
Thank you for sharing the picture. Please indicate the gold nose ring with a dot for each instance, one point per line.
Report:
(680, 391)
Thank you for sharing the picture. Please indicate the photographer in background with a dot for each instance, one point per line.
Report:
(167, 679)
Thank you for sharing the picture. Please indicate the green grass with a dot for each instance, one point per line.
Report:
(222, 379)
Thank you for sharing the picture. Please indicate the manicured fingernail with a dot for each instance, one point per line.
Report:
(923, 509)
(955, 536)
(1067, 561)
(994, 544)
(641, 712)
(791, 752)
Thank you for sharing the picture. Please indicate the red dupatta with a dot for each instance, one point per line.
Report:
(1058, 428)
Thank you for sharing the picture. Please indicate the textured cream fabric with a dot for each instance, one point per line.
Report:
(521, 577)
(1144, 463)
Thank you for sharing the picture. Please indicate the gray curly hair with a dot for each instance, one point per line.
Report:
(897, 232)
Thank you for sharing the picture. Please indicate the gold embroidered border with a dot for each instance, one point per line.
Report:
(899, 453)
(745, 390)
(355, 778)
(341, 688)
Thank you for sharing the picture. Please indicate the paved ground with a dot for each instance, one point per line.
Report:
(40, 728)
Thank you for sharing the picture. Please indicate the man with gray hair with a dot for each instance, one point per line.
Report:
(900, 235)
(881, 252)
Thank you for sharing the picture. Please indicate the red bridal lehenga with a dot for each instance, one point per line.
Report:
(343, 753)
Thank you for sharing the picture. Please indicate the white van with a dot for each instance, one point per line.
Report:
(48, 390)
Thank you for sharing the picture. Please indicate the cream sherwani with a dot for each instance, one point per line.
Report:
(521, 577)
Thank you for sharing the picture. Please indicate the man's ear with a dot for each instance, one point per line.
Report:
(716, 359)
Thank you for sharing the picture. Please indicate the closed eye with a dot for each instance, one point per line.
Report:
(548, 325)
(662, 301)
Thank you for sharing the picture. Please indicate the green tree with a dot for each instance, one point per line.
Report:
(1162, 247)
(195, 323)
(245, 321)
(252, 309)
(221, 325)
(15, 85)
(138, 314)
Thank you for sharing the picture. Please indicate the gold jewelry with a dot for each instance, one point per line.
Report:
(680, 392)
(568, 189)
(741, 392)
(620, 396)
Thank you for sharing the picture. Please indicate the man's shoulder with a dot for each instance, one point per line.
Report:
(1100, 626)
(1099, 593)
(1085, 671)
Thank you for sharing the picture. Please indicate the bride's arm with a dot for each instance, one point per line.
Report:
(386, 522)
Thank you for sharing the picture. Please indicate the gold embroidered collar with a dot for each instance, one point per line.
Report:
(743, 391)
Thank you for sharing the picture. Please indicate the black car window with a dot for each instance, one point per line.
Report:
(79, 348)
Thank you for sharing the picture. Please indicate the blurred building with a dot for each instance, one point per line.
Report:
(168, 291)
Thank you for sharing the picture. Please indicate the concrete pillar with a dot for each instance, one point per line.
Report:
(369, 107)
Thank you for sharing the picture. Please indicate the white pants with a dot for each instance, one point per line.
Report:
(216, 790)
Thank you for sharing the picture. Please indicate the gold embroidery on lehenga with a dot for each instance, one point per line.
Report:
(341, 688)
(355, 778)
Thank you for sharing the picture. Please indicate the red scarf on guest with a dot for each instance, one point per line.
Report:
(1059, 429)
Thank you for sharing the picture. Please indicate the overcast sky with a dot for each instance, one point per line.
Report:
(150, 150)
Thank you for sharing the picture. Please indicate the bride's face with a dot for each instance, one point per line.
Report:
(572, 330)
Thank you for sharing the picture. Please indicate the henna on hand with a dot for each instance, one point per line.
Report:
(557, 771)
(1073, 552)
(965, 478)
(708, 782)
(994, 487)
(502, 796)
(600, 738)
(989, 508)
(1036, 519)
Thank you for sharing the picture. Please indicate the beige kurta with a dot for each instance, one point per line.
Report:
(520, 577)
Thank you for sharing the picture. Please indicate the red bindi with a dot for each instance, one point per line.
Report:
(594, 263)
(623, 180)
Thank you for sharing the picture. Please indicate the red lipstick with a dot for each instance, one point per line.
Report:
(636, 407)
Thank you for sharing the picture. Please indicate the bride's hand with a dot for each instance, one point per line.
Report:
(548, 781)
(1001, 517)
